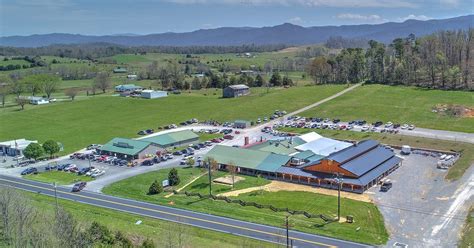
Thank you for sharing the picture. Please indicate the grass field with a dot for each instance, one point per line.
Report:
(98, 119)
(467, 235)
(454, 173)
(398, 104)
(60, 177)
(155, 229)
(367, 216)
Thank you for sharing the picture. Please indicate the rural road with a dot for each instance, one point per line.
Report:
(211, 222)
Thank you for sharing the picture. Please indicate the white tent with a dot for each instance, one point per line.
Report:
(324, 146)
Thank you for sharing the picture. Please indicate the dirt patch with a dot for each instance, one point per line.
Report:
(228, 179)
(275, 186)
(453, 110)
(289, 50)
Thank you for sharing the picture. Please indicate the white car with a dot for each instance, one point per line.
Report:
(98, 174)
(404, 126)
(388, 124)
(349, 127)
(365, 128)
(93, 171)
(411, 127)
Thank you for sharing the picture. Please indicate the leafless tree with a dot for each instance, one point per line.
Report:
(21, 101)
(101, 81)
(72, 93)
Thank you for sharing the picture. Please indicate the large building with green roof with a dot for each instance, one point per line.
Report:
(248, 161)
(128, 148)
(179, 138)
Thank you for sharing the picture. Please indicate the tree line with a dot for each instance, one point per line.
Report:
(443, 60)
(97, 50)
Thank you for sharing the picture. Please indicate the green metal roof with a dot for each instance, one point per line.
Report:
(280, 147)
(304, 155)
(125, 146)
(246, 158)
(172, 138)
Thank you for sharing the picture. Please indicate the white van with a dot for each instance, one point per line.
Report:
(406, 150)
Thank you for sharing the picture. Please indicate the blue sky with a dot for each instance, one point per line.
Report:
(99, 17)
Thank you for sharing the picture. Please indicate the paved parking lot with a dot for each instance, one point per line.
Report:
(422, 209)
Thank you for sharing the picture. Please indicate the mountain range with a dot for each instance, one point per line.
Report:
(286, 33)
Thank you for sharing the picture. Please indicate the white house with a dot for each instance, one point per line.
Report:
(152, 94)
(38, 100)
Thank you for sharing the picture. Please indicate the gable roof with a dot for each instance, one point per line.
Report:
(172, 137)
(247, 158)
(125, 146)
(277, 146)
(238, 87)
(368, 161)
(310, 137)
(353, 151)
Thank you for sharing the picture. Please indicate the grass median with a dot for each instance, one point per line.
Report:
(59, 177)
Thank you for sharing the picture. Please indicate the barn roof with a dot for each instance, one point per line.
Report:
(238, 87)
(353, 151)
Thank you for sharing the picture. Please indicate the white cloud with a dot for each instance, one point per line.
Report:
(414, 17)
(296, 20)
(362, 18)
(310, 3)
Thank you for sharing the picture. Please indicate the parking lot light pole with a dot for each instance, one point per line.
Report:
(287, 232)
(210, 179)
(339, 184)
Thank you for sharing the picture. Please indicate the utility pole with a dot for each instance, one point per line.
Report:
(56, 196)
(339, 181)
(210, 177)
(287, 232)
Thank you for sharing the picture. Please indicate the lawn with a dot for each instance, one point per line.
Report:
(201, 185)
(398, 104)
(101, 118)
(60, 177)
(454, 173)
(209, 136)
(467, 235)
(149, 228)
(367, 216)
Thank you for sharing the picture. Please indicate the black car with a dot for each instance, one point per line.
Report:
(50, 167)
(149, 131)
(62, 166)
(79, 186)
(201, 145)
(336, 120)
(142, 132)
(352, 122)
(386, 186)
(83, 171)
(157, 159)
(196, 147)
(148, 162)
(395, 126)
(377, 124)
(123, 162)
(177, 153)
(31, 170)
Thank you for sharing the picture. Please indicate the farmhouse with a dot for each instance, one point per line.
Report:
(152, 94)
(127, 88)
(35, 100)
(360, 165)
(15, 147)
(179, 138)
(235, 91)
(128, 148)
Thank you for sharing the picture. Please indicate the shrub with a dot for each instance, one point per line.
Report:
(173, 177)
(155, 188)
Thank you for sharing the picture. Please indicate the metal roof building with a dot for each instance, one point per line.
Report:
(324, 146)
(177, 138)
(15, 147)
(248, 159)
(285, 147)
(235, 91)
(128, 148)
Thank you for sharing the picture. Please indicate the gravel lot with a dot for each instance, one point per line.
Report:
(422, 209)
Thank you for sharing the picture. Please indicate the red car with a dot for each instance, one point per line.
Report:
(237, 132)
(216, 140)
(228, 136)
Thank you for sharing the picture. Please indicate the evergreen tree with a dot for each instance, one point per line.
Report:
(173, 177)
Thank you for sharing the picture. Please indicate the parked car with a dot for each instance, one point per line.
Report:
(62, 166)
(92, 171)
(70, 167)
(79, 186)
(404, 126)
(386, 186)
(142, 132)
(411, 127)
(336, 121)
(147, 162)
(93, 146)
(388, 124)
(31, 170)
(83, 171)
(228, 136)
(365, 128)
(98, 174)
(50, 167)
(377, 123)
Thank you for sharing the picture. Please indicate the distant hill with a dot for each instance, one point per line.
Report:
(289, 34)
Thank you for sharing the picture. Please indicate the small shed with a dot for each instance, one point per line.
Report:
(38, 100)
(241, 124)
(15, 147)
(235, 91)
(120, 70)
(132, 76)
(152, 94)
(127, 88)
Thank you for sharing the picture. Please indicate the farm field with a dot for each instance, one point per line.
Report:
(455, 172)
(149, 228)
(367, 216)
(98, 119)
(399, 104)
(59, 177)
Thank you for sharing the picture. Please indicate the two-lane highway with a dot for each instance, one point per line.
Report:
(221, 224)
